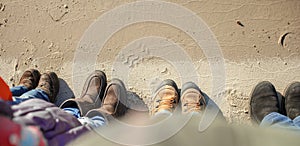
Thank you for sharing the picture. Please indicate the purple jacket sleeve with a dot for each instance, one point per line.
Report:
(63, 139)
(58, 126)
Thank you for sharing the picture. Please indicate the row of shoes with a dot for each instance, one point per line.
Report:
(100, 97)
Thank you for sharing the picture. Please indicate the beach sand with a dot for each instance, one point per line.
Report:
(259, 40)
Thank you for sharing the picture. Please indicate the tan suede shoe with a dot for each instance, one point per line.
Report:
(50, 84)
(30, 78)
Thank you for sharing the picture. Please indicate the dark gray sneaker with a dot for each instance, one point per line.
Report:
(292, 100)
(264, 100)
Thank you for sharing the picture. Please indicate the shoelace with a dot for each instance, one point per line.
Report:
(165, 103)
(192, 107)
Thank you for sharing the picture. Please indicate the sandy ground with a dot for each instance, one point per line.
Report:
(45, 35)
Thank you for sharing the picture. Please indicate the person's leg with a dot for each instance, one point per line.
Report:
(73, 111)
(28, 81)
(35, 93)
(47, 89)
(18, 90)
(297, 121)
(277, 120)
(94, 118)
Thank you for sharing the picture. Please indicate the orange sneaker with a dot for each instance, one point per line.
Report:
(165, 98)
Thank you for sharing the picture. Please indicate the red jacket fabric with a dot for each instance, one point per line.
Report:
(5, 93)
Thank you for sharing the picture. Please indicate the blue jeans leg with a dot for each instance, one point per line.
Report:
(297, 122)
(35, 93)
(99, 121)
(18, 90)
(73, 111)
(95, 122)
(277, 120)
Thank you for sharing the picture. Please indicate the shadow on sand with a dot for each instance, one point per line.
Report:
(64, 93)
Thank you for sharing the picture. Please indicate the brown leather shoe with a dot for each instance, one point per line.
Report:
(114, 101)
(191, 99)
(264, 100)
(50, 84)
(292, 100)
(92, 94)
(30, 78)
(166, 97)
